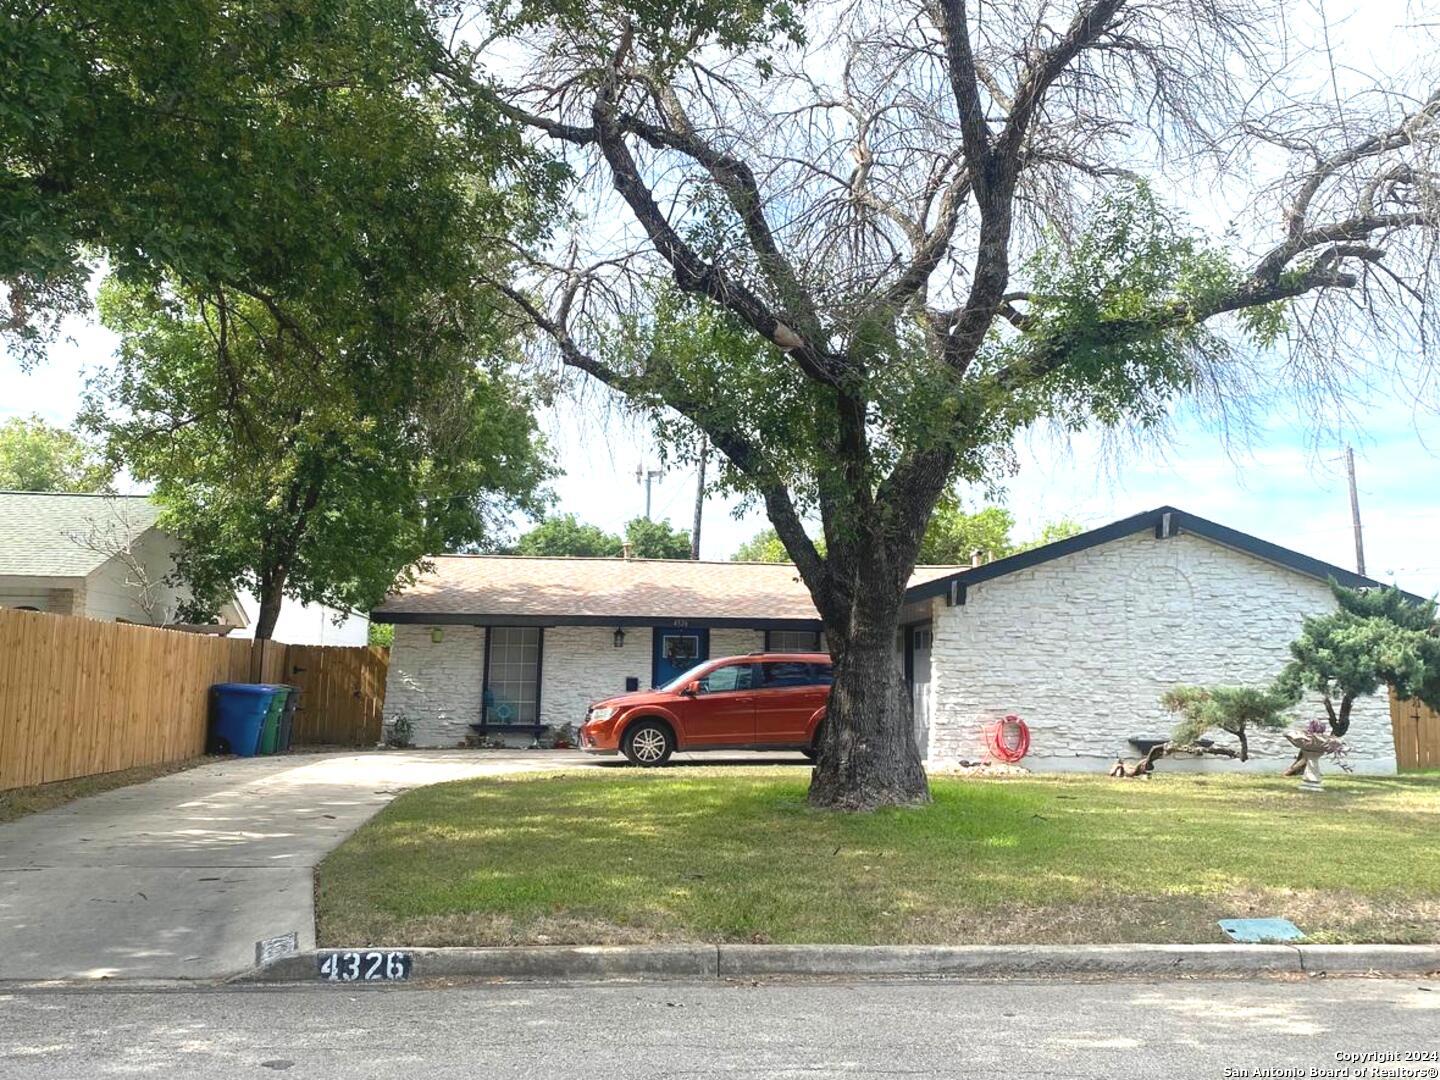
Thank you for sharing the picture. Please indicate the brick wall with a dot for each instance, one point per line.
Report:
(1082, 647)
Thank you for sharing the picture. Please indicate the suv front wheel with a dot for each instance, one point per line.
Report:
(649, 743)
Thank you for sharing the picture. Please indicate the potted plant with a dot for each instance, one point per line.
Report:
(400, 733)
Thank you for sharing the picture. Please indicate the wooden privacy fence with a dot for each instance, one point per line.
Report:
(342, 690)
(1417, 734)
(80, 697)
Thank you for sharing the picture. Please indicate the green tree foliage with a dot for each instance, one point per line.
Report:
(297, 471)
(1238, 710)
(564, 534)
(36, 456)
(951, 537)
(300, 154)
(764, 546)
(1052, 531)
(302, 229)
(656, 540)
(1377, 638)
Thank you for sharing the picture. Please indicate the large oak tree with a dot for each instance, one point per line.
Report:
(860, 245)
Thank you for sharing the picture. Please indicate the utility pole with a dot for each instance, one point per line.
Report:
(1355, 511)
(699, 499)
(647, 477)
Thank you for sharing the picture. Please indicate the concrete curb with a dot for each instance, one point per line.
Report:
(1361, 959)
(521, 962)
(582, 963)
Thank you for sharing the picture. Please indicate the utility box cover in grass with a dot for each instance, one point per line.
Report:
(1253, 931)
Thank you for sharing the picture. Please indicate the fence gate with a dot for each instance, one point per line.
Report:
(342, 691)
(1417, 734)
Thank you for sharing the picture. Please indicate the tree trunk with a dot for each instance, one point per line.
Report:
(1339, 721)
(279, 550)
(272, 595)
(867, 756)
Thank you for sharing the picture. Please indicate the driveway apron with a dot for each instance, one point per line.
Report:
(180, 877)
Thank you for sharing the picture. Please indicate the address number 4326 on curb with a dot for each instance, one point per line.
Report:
(363, 965)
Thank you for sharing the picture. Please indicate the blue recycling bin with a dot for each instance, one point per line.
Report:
(237, 717)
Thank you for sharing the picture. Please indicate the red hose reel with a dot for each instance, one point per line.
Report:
(1007, 740)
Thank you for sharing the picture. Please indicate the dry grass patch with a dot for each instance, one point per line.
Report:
(716, 855)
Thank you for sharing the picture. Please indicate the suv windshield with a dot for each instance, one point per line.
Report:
(681, 679)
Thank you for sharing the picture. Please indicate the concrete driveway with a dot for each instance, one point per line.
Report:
(181, 876)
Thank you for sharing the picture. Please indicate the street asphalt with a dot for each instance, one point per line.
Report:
(1054, 1028)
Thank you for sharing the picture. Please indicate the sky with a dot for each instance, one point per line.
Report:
(1280, 486)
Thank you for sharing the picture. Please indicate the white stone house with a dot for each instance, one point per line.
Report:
(1079, 638)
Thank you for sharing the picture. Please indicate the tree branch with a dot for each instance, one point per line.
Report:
(692, 273)
(737, 180)
(741, 453)
(1084, 30)
(964, 84)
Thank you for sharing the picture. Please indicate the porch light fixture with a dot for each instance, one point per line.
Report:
(619, 637)
(437, 634)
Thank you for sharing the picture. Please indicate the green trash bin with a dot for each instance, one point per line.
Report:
(287, 719)
(270, 733)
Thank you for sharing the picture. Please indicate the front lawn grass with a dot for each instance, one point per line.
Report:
(711, 854)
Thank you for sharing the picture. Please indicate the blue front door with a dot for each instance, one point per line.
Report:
(676, 652)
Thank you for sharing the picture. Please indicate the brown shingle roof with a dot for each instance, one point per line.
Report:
(511, 585)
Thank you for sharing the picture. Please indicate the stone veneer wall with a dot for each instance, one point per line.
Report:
(438, 686)
(1083, 646)
(727, 642)
(581, 665)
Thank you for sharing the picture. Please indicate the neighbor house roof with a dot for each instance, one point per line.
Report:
(1163, 521)
(521, 590)
(39, 530)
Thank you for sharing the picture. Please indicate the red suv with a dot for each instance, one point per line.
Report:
(764, 701)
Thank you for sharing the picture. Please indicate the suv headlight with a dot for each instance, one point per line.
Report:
(604, 712)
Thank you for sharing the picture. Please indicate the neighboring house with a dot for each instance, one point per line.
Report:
(1079, 637)
(308, 624)
(100, 556)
